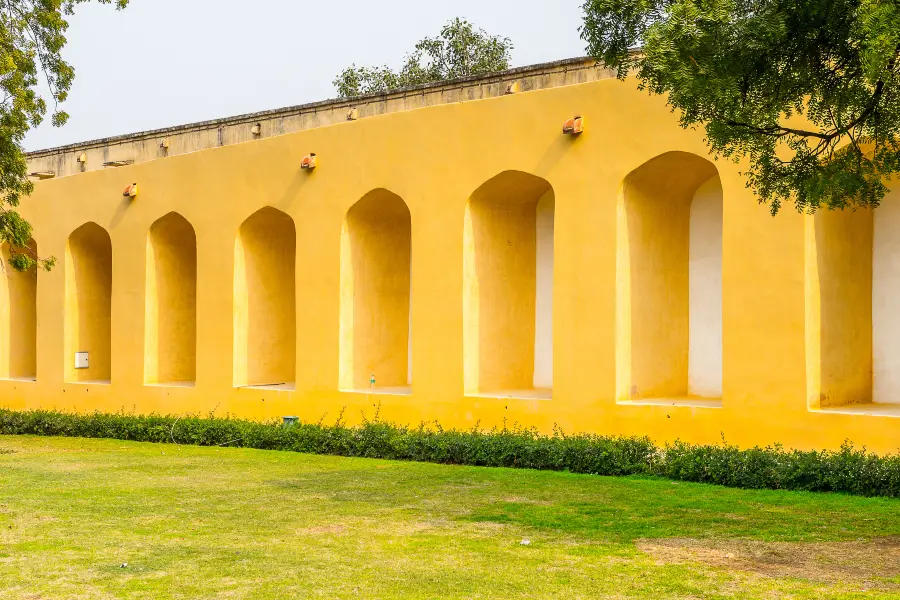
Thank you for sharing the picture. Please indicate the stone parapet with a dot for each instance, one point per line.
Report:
(156, 144)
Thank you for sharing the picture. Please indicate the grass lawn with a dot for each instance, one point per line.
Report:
(225, 523)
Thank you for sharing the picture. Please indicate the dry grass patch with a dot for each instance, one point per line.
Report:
(865, 563)
(525, 500)
(323, 530)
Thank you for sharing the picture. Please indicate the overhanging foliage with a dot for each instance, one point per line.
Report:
(807, 90)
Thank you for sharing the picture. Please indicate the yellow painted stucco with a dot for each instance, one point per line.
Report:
(277, 249)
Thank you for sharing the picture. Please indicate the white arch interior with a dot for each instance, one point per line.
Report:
(543, 323)
(705, 355)
(885, 296)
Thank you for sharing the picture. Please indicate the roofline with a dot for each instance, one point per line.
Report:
(306, 107)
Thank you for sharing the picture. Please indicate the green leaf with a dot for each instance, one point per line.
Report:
(31, 41)
(745, 70)
(459, 51)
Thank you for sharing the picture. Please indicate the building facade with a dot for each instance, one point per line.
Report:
(454, 257)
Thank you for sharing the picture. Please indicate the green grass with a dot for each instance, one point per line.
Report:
(224, 523)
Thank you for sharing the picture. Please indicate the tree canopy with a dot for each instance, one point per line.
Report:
(459, 51)
(32, 37)
(808, 91)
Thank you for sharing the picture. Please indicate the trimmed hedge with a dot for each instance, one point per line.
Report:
(849, 470)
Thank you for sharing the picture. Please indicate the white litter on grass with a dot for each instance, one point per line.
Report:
(525, 543)
(123, 565)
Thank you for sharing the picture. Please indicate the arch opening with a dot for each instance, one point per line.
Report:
(376, 257)
(508, 287)
(170, 342)
(88, 305)
(265, 301)
(18, 311)
(852, 287)
(669, 283)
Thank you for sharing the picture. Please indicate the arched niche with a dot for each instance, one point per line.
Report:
(18, 315)
(839, 307)
(669, 281)
(508, 287)
(264, 301)
(852, 289)
(376, 246)
(170, 339)
(88, 304)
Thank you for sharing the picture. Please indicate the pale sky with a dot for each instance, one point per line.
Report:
(167, 62)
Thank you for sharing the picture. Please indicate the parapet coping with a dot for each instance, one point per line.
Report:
(314, 106)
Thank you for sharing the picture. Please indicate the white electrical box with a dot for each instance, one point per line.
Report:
(81, 360)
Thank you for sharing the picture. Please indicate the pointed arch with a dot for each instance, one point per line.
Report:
(669, 280)
(265, 300)
(376, 256)
(170, 334)
(508, 286)
(88, 303)
(18, 315)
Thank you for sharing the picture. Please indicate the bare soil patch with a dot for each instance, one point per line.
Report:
(865, 563)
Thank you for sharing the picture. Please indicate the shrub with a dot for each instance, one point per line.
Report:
(848, 470)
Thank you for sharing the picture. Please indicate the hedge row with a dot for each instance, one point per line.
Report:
(848, 470)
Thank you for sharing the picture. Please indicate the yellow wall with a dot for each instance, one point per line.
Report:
(18, 309)
(375, 276)
(171, 293)
(255, 308)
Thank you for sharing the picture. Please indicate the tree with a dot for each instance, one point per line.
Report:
(32, 37)
(459, 51)
(807, 90)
